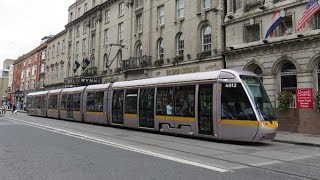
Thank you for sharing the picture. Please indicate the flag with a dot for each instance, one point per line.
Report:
(85, 63)
(276, 21)
(311, 8)
(76, 66)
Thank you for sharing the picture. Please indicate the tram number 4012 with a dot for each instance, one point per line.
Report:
(231, 85)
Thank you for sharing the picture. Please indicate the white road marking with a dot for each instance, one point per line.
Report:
(117, 145)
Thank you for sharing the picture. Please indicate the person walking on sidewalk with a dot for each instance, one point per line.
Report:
(14, 109)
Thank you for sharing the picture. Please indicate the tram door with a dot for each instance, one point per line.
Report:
(205, 118)
(117, 107)
(70, 106)
(146, 108)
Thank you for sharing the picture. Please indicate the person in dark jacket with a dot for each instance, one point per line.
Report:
(14, 108)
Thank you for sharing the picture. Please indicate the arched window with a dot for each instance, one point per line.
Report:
(139, 50)
(318, 75)
(160, 49)
(180, 44)
(256, 69)
(288, 78)
(206, 38)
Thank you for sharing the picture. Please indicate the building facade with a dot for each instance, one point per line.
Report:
(289, 60)
(26, 75)
(123, 40)
(54, 66)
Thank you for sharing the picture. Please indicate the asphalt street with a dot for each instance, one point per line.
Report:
(41, 148)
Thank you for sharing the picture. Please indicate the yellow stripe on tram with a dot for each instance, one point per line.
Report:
(268, 124)
(94, 113)
(131, 115)
(175, 118)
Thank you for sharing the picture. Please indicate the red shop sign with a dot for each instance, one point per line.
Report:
(304, 98)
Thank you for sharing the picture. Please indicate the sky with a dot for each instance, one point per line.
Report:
(25, 22)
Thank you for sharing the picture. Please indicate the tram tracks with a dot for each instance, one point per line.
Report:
(260, 166)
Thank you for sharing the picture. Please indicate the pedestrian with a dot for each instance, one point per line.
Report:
(14, 109)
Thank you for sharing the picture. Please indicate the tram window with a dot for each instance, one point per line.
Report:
(95, 101)
(235, 103)
(29, 102)
(43, 102)
(131, 101)
(165, 101)
(184, 101)
(76, 102)
(36, 103)
(63, 102)
(53, 102)
(69, 104)
(117, 107)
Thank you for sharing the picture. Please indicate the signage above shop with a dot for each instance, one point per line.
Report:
(83, 81)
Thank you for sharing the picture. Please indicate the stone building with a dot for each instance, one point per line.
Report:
(54, 67)
(289, 60)
(116, 40)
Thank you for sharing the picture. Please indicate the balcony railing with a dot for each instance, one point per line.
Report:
(136, 63)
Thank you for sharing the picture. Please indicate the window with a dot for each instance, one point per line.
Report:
(119, 57)
(236, 5)
(53, 102)
(257, 70)
(206, 4)
(165, 101)
(93, 3)
(316, 21)
(120, 32)
(79, 11)
(139, 50)
(180, 44)
(58, 48)
(64, 102)
(63, 45)
(95, 101)
(34, 70)
(33, 84)
(76, 101)
(285, 28)
(78, 31)
(53, 51)
(85, 7)
(105, 60)
(121, 9)
(289, 79)
(139, 23)
(43, 54)
(180, 8)
(28, 72)
(42, 68)
(160, 49)
(161, 15)
(85, 26)
(235, 104)
(206, 39)
(84, 45)
(117, 107)
(131, 101)
(107, 16)
(77, 47)
(106, 36)
(139, 3)
(252, 33)
(184, 101)
(93, 41)
(71, 16)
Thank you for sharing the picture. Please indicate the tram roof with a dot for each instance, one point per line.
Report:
(38, 93)
(54, 91)
(98, 86)
(169, 79)
(75, 89)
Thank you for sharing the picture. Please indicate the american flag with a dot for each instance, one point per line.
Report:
(312, 7)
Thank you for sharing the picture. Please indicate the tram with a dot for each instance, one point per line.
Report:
(224, 105)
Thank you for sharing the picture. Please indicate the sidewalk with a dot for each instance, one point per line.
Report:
(296, 138)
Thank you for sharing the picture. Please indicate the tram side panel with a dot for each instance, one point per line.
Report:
(95, 106)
